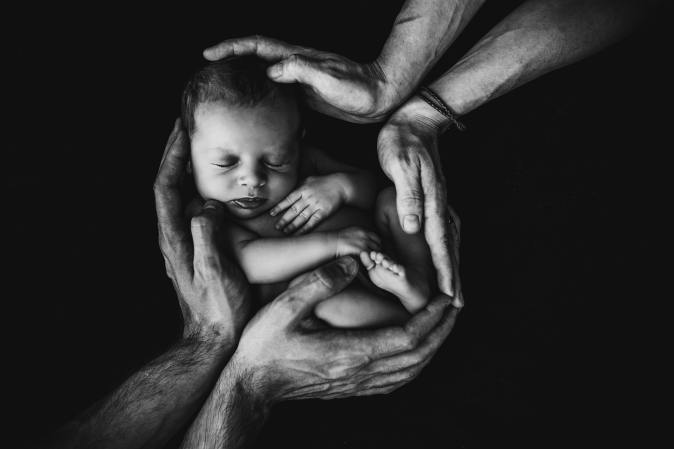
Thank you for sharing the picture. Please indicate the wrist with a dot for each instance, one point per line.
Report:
(416, 112)
(250, 382)
(332, 242)
(344, 187)
(389, 91)
(217, 335)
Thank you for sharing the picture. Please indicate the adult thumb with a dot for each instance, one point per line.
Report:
(307, 291)
(409, 202)
(294, 69)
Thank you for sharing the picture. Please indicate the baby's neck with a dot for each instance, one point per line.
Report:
(262, 225)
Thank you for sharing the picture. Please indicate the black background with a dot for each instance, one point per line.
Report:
(558, 185)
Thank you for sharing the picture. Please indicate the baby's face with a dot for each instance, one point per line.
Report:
(246, 157)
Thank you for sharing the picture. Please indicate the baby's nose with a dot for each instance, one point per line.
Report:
(252, 178)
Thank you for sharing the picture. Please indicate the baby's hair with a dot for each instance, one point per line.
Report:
(237, 81)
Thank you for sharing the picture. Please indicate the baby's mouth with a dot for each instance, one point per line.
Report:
(249, 202)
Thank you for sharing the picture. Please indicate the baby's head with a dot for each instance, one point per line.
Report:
(244, 131)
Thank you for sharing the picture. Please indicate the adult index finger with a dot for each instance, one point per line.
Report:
(263, 47)
(172, 233)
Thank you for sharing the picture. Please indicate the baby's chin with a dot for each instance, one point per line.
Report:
(247, 214)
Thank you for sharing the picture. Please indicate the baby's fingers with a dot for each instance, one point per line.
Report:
(373, 236)
(292, 197)
(311, 223)
(372, 242)
(293, 211)
(299, 220)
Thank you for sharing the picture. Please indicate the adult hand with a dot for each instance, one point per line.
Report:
(333, 85)
(279, 358)
(213, 294)
(312, 202)
(408, 154)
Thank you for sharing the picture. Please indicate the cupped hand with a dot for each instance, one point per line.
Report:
(280, 358)
(408, 153)
(305, 207)
(213, 293)
(333, 85)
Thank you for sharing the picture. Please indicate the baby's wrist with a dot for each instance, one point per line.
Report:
(344, 187)
(332, 242)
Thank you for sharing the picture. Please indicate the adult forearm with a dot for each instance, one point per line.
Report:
(155, 402)
(232, 415)
(268, 260)
(421, 33)
(536, 38)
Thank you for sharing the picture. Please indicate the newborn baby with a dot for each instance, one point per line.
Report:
(292, 208)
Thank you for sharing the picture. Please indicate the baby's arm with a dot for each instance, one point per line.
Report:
(358, 186)
(329, 186)
(274, 259)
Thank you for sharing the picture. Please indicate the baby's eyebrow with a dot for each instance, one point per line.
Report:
(223, 151)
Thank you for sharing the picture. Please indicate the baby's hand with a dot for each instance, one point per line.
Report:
(353, 240)
(316, 199)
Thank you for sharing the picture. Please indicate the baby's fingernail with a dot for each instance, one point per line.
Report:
(411, 223)
(272, 213)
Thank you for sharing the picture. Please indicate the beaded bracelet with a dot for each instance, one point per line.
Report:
(434, 101)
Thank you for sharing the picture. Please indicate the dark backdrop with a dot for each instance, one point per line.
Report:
(557, 184)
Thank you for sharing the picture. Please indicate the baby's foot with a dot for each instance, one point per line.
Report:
(412, 290)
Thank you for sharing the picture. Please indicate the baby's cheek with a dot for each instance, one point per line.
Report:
(282, 184)
(212, 189)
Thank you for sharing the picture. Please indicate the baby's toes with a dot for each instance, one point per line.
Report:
(367, 260)
(378, 257)
(386, 263)
(397, 269)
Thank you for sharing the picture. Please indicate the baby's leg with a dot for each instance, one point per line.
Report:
(412, 277)
(357, 307)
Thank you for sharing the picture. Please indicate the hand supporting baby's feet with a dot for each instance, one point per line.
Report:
(353, 240)
(411, 288)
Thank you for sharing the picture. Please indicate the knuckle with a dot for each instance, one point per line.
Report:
(409, 342)
(293, 59)
(411, 197)
(407, 157)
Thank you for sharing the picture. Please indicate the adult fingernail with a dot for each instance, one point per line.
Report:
(210, 205)
(347, 265)
(411, 223)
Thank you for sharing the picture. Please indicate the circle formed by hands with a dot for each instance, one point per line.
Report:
(407, 143)
(277, 354)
